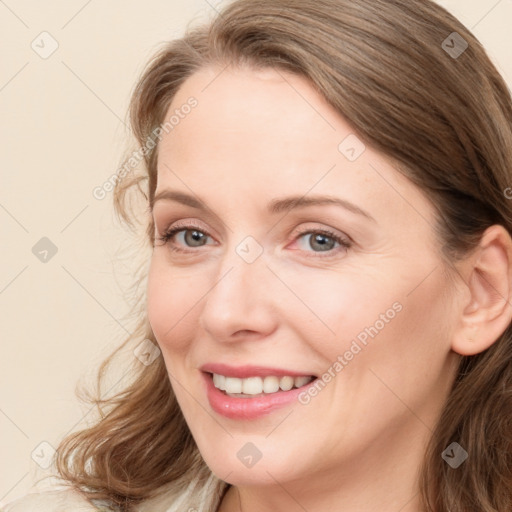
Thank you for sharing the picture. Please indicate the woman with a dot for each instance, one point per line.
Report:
(328, 315)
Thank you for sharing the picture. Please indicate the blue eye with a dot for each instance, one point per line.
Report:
(324, 240)
(192, 235)
(193, 238)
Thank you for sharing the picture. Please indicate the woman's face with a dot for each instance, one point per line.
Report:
(353, 292)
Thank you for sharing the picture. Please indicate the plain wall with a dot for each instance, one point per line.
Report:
(62, 134)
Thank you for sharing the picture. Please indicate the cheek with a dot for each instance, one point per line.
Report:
(372, 315)
(171, 297)
(407, 355)
(332, 308)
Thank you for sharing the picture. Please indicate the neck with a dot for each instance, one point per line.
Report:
(378, 480)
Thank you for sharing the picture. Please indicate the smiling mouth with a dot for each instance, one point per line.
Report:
(252, 387)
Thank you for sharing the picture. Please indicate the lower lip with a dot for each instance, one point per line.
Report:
(249, 408)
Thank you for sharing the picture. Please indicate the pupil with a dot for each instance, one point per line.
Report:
(196, 236)
(321, 240)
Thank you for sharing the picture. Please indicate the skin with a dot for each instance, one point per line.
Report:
(358, 445)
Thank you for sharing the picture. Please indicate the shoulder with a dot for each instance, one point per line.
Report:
(62, 500)
(198, 494)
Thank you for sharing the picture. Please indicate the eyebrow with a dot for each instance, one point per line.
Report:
(274, 207)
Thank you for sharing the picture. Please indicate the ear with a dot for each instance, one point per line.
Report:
(487, 307)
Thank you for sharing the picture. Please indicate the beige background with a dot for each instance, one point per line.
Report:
(62, 132)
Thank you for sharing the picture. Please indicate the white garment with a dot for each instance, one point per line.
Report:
(195, 498)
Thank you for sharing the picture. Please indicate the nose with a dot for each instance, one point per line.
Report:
(241, 302)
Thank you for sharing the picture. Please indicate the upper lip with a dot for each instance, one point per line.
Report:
(245, 371)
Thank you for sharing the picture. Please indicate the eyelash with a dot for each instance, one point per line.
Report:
(343, 242)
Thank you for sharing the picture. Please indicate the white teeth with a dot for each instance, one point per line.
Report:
(286, 383)
(258, 385)
(270, 384)
(219, 381)
(252, 385)
(233, 385)
(300, 381)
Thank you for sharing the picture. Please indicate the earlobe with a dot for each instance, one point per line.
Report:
(488, 312)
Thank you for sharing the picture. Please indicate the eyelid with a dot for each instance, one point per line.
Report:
(185, 225)
(344, 242)
(326, 229)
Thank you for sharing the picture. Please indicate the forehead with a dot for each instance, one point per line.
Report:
(264, 108)
(245, 119)
(269, 132)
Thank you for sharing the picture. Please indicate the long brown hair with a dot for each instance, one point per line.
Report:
(444, 119)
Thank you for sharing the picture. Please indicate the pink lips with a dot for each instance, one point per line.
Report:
(245, 371)
(248, 408)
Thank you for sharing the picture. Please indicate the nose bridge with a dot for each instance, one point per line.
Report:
(239, 297)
